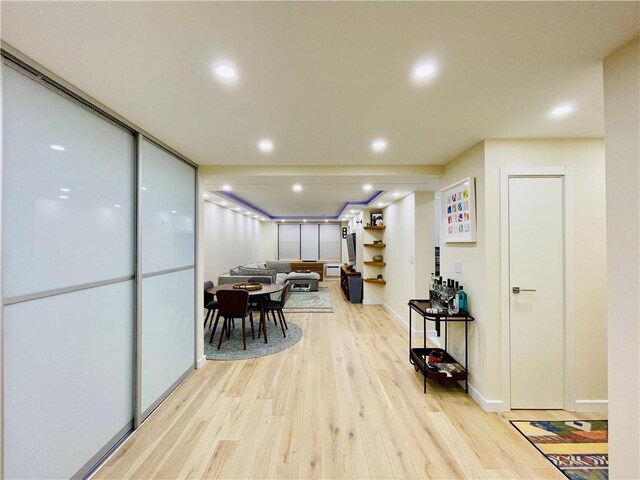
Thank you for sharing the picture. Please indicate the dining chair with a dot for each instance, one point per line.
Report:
(255, 302)
(276, 306)
(233, 304)
(209, 303)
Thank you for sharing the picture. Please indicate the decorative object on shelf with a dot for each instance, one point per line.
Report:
(248, 286)
(377, 241)
(379, 277)
(458, 211)
(358, 221)
(377, 258)
(436, 356)
(377, 219)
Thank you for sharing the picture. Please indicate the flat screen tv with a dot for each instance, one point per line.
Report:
(351, 247)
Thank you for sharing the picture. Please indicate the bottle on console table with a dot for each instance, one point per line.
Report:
(462, 300)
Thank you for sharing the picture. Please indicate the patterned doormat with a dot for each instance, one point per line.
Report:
(578, 448)
(319, 301)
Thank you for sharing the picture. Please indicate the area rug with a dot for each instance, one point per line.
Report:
(578, 448)
(231, 348)
(319, 301)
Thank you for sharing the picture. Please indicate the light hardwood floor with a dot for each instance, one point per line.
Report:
(342, 403)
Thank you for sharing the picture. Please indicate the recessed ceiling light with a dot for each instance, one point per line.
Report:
(226, 188)
(423, 71)
(223, 203)
(57, 148)
(396, 194)
(367, 187)
(226, 72)
(326, 221)
(64, 189)
(381, 204)
(115, 205)
(144, 188)
(379, 145)
(173, 211)
(205, 195)
(297, 187)
(262, 218)
(237, 209)
(282, 221)
(265, 145)
(344, 219)
(305, 220)
(352, 211)
(247, 212)
(562, 110)
(64, 197)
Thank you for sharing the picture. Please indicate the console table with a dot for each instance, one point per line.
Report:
(418, 357)
(317, 267)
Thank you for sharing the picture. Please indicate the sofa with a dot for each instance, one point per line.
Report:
(277, 271)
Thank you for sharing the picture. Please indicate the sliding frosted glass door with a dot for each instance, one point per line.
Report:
(68, 282)
(167, 232)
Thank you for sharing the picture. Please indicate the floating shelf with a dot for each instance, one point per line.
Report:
(375, 245)
(375, 264)
(375, 228)
(376, 281)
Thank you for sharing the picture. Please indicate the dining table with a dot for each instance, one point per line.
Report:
(267, 289)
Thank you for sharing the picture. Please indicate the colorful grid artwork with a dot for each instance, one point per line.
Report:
(578, 448)
(458, 211)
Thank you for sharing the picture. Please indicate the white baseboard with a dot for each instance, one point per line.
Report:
(371, 302)
(430, 333)
(599, 406)
(487, 405)
(201, 361)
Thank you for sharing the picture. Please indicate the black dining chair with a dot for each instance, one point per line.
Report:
(276, 306)
(255, 302)
(209, 303)
(233, 304)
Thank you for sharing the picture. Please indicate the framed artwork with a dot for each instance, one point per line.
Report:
(376, 219)
(458, 212)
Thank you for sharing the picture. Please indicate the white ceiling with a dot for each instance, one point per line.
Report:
(322, 79)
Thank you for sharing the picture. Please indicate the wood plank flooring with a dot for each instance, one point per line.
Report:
(342, 403)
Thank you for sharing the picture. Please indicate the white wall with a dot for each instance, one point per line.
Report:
(230, 239)
(622, 124)
(409, 255)
(584, 159)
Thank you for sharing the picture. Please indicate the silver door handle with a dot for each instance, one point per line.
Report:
(518, 290)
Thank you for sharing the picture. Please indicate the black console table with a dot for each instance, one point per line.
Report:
(419, 356)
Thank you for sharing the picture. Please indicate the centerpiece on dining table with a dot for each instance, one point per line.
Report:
(248, 286)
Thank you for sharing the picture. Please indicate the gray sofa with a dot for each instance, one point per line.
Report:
(277, 271)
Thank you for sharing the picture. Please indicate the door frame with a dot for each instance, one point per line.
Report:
(569, 395)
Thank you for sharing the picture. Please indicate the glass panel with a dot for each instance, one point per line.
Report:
(68, 374)
(167, 332)
(330, 242)
(168, 210)
(289, 242)
(309, 242)
(68, 192)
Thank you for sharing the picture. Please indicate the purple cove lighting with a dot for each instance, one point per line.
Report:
(242, 201)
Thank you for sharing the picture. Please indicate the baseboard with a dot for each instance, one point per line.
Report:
(599, 406)
(486, 405)
(430, 333)
(371, 302)
(201, 361)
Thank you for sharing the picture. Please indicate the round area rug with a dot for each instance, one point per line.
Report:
(231, 348)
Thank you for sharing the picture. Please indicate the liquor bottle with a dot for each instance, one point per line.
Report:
(462, 300)
(432, 285)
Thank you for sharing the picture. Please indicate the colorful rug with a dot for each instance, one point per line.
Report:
(578, 448)
(298, 302)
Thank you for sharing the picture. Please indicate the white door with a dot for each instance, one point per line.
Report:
(536, 268)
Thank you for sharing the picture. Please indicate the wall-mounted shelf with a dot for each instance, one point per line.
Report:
(376, 281)
(375, 264)
(375, 228)
(375, 245)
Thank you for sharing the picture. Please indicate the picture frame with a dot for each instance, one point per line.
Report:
(377, 219)
(458, 212)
